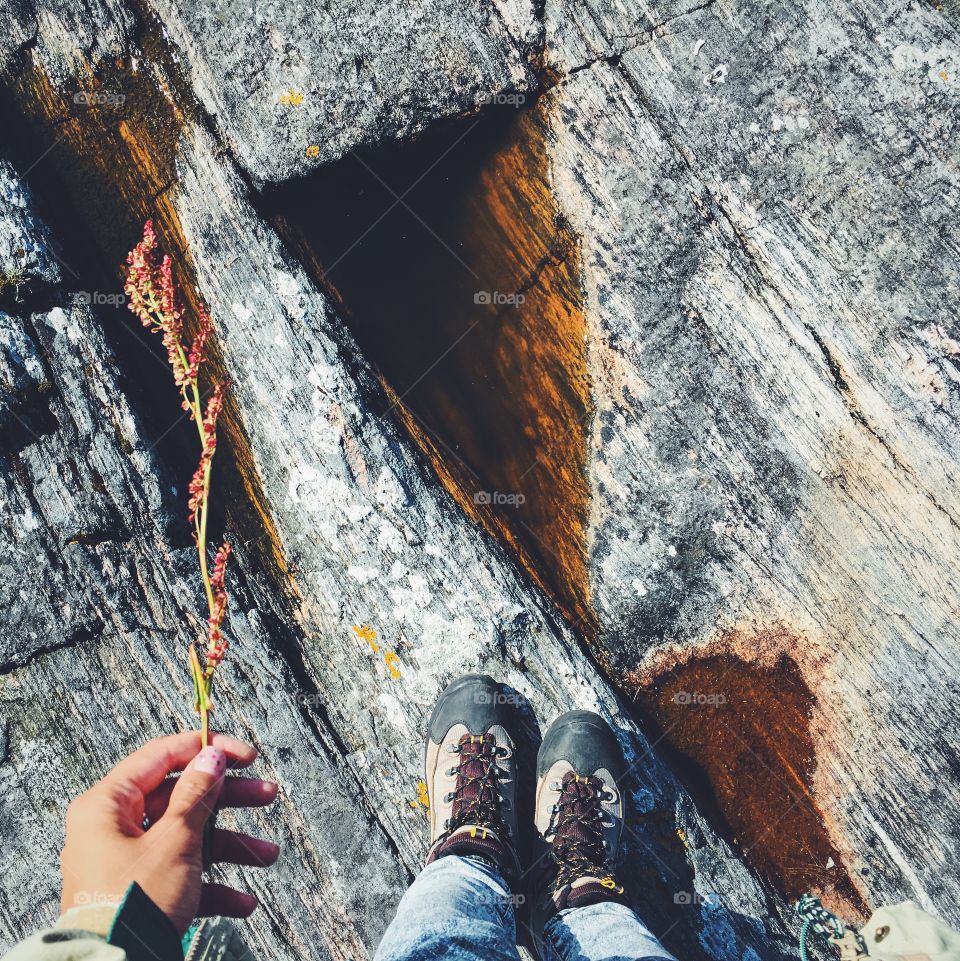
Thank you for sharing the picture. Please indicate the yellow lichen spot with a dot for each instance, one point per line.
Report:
(682, 836)
(423, 798)
(313, 151)
(368, 634)
(944, 75)
(292, 98)
(392, 662)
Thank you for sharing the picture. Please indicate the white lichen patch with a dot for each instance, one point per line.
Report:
(717, 75)
(939, 65)
(792, 123)
(410, 601)
(362, 575)
(242, 312)
(389, 538)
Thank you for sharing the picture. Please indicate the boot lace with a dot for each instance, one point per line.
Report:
(576, 826)
(476, 796)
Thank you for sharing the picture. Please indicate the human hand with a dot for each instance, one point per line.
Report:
(107, 847)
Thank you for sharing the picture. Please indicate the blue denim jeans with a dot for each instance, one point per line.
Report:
(460, 909)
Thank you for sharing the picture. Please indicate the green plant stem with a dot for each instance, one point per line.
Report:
(202, 537)
(201, 695)
(201, 682)
(191, 396)
(201, 518)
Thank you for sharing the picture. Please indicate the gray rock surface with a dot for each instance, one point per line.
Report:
(63, 36)
(294, 87)
(577, 35)
(17, 27)
(371, 539)
(26, 248)
(367, 537)
(99, 594)
(765, 196)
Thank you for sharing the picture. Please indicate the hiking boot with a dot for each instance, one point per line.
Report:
(579, 816)
(471, 775)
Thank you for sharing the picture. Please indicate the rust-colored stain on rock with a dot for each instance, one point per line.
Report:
(460, 281)
(739, 733)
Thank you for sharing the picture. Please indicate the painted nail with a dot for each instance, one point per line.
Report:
(210, 760)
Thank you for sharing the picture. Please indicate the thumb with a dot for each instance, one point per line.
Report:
(194, 796)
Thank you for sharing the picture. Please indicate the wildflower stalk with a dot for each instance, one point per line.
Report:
(155, 299)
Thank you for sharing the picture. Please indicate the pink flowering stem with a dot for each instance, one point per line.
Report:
(155, 299)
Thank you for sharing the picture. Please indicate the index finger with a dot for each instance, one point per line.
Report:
(148, 766)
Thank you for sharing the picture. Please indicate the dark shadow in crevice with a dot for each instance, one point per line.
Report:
(83, 197)
(460, 281)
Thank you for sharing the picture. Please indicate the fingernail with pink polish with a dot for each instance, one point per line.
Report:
(210, 760)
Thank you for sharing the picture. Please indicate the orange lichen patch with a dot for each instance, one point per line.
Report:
(292, 98)
(740, 736)
(368, 634)
(109, 143)
(422, 800)
(393, 664)
(475, 322)
(390, 659)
